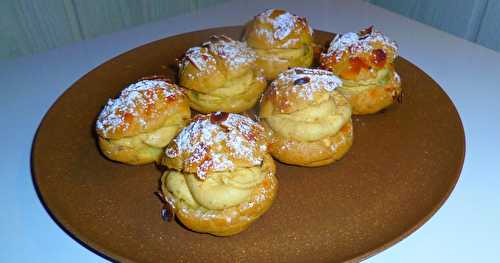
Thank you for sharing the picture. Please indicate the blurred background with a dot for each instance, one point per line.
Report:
(31, 26)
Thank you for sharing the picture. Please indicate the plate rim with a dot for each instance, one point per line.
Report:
(112, 256)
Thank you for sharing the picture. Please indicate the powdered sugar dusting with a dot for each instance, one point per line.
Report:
(200, 58)
(305, 82)
(214, 146)
(283, 24)
(234, 53)
(119, 113)
(356, 43)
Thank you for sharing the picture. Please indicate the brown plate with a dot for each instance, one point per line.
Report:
(402, 167)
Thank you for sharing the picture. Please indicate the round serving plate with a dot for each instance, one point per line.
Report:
(401, 168)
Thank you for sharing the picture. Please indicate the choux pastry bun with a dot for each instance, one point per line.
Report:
(221, 75)
(221, 178)
(364, 62)
(309, 122)
(281, 40)
(135, 127)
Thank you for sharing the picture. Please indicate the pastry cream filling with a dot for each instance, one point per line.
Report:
(219, 191)
(314, 122)
(235, 85)
(161, 137)
(282, 53)
(232, 88)
(285, 54)
(352, 87)
(158, 138)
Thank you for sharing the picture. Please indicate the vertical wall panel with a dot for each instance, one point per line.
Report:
(460, 17)
(489, 32)
(28, 26)
(98, 17)
(404, 8)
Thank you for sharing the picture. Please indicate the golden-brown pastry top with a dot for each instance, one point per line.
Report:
(217, 142)
(141, 107)
(277, 28)
(298, 88)
(207, 67)
(358, 55)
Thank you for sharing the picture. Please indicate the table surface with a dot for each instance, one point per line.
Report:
(465, 229)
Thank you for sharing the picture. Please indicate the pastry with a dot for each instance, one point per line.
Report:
(135, 127)
(309, 122)
(281, 40)
(221, 75)
(364, 62)
(221, 178)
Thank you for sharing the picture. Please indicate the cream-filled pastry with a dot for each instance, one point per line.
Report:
(281, 40)
(136, 126)
(364, 62)
(221, 177)
(221, 75)
(309, 122)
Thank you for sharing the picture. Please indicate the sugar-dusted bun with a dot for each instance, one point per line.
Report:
(221, 178)
(277, 28)
(364, 61)
(308, 121)
(281, 40)
(136, 126)
(221, 75)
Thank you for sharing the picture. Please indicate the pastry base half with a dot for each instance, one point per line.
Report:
(273, 62)
(138, 154)
(374, 99)
(311, 154)
(206, 103)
